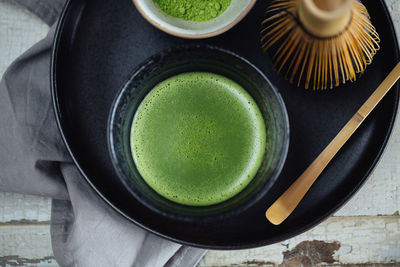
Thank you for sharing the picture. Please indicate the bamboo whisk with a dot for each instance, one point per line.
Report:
(319, 43)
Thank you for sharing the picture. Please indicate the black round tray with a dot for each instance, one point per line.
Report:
(99, 43)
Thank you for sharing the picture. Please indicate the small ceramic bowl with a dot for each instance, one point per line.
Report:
(235, 12)
(203, 59)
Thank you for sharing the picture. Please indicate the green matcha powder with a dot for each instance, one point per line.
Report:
(194, 10)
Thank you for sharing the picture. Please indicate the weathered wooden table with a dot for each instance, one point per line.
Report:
(365, 232)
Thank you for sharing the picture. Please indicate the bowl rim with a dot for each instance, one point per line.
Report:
(209, 218)
(196, 36)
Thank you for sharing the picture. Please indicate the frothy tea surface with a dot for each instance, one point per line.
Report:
(198, 138)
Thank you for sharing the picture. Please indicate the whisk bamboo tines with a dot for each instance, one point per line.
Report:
(319, 42)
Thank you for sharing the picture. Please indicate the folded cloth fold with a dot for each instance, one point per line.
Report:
(33, 160)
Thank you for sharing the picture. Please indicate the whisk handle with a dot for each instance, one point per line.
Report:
(329, 5)
(325, 18)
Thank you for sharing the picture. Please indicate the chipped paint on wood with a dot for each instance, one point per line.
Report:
(17, 208)
(259, 264)
(364, 265)
(24, 222)
(361, 239)
(341, 240)
(25, 241)
(18, 261)
(309, 253)
(263, 264)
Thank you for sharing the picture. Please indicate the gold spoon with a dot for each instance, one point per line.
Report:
(289, 200)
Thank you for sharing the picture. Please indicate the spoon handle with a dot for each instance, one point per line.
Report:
(289, 200)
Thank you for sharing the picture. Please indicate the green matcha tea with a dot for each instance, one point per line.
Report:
(193, 10)
(198, 138)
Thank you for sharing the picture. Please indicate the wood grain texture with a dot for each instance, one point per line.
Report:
(380, 195)
(23, 208)
(19, 30)
(360, 240)
(337, 240)
(27, 245)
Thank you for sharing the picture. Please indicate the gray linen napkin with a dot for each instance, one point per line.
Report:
(33, 160)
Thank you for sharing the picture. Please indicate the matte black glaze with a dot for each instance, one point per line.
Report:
(99, 44)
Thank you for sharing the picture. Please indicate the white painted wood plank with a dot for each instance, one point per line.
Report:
(16, 207)
(28, 241)
(381, 193)
(27, 245)
(394, 9)
(360, 239)
(19, 30)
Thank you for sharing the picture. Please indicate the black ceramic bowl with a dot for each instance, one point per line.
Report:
(203, 59)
